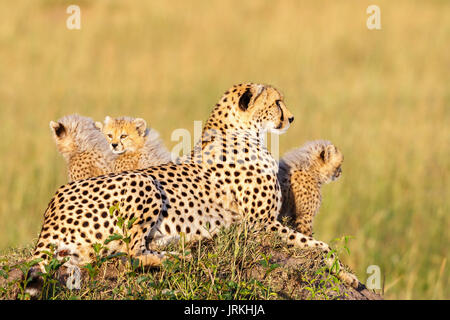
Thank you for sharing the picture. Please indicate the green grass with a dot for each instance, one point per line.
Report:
(237, 264)
(381, 96)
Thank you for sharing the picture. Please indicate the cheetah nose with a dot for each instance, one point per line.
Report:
(114, 145)
(291, 119)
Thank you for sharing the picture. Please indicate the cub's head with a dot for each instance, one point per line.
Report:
(63, 138)
(124, 134)
(254, 106)
(329, 159)
(74, 133)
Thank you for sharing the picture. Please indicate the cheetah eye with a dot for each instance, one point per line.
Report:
(123, 136)
(110, 136)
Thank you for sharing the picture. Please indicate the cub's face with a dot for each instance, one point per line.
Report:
(263, 106)
(330, 159)
(124, 135)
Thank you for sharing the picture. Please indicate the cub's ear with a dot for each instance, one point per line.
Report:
(244, 100)
(107, 119)
(99, 125)
(322, 155)
(141, 126)
(327, 153)
(58, 129)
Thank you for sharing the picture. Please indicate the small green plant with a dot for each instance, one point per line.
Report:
(265, 262)
(93, 268)
(341, 244)
(325, 280)
(4, 273)
(269, 268)
(125, 225)
(49, 286)
(49, 276)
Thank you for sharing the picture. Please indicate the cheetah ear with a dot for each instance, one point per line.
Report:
(107, 119)
(323, 156)
(326, 153)
(58, 129)
(261, 89)
(244, 100)
(99, 125)
(141, 126)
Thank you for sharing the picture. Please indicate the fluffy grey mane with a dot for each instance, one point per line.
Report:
(85, 135)
(154, 148)
(303, 157)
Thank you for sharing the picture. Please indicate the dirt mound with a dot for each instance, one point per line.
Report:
(235, 265)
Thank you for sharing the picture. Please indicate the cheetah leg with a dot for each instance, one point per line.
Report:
(71, 272)
(155, 258)
(303, 241)
(150, 258)
(146, 257)
(304, 226)
(36, 282)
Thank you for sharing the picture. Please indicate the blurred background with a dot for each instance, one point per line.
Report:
(382, 96)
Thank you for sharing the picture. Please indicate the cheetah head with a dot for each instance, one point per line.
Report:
(330, 159)
(256, 106)
(124, 134)
(72, 132)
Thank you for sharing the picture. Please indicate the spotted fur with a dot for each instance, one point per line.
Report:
(229, 177)
(83, 147)
(302, 173)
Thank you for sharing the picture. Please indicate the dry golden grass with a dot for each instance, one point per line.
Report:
(382, 96)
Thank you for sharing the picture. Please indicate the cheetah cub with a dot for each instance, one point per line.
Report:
(136, 146)
(302, 172)
(83, 147)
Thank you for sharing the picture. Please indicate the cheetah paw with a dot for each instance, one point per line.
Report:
(74, 279)
(349, 279)
(179, 256)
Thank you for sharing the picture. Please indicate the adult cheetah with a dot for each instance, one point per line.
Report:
(230, 176)
(83, 147)
(302, 173)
